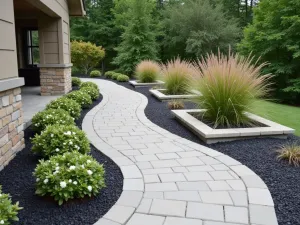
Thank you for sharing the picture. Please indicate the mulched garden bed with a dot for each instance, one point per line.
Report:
(258, 154)
(17, 179)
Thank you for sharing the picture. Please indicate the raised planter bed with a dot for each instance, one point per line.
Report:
(210, 135)
(159, 94)
(135, 83)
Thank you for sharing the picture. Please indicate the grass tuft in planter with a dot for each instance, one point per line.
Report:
(89, 84)
(95, 73)
(69, 176)
(51, 117)
(82, 98)
(93, 92)
(71, 106)
(147, 71)
(175, 104)
(229, 84)
(177, 76)
(8, 211)
(59, 139)
(76, 81)
(291, 153)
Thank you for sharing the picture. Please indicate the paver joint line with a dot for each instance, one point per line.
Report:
(168, 179)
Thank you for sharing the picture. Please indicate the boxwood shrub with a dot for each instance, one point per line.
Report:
(58, 139)
(122, 78)
(71, 106)
(76, 81)
(82, 98)
(109, 74)
(94, 93)
(95, 73)
(8, 211)
(89, 84)
(50, 117)
(68, 176)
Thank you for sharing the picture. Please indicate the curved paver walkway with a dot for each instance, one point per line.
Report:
(169, 180)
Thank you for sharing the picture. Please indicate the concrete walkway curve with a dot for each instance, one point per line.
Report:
(169, 180)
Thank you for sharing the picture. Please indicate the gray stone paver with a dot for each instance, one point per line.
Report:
(169, 180)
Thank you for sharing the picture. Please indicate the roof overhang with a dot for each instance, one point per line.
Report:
(76, 8)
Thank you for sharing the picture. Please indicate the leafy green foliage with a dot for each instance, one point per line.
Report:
(68, 176)
(109, 74)
(76, 81)
(274, 35)
(115, 76)
(177, 76)
(59, 139)
(50, 117)
(82, 98)
(93, 92)
(147, 71)
(8, 211)
(86, 55)
(69, 105)
(122, 78)
(198, 27)
(89, 84)
(95, 73)
(229, 85)
(139, 38)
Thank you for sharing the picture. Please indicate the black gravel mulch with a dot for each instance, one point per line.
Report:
(17, 179)
(259, 155)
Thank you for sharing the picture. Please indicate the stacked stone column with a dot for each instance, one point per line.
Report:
(55, 81)
(11, 125)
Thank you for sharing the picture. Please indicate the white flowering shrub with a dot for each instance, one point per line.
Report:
(68, 176)
(93, 92)
(89, 84)
(50, 117)
(59, 139)
(71, 106)
(8, 211)
(82, 98)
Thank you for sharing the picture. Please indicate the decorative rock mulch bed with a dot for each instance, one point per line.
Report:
(17, 179)
(258, 154)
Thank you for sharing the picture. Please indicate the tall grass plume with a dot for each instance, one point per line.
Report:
(147, 71)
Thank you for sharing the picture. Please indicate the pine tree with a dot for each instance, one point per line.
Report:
(139, 38)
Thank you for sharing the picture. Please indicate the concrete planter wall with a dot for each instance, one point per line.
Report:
(135, 83)
(210, 135)
(158, 93)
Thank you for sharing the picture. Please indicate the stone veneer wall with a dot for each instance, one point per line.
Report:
(55, 81)
(11, 125)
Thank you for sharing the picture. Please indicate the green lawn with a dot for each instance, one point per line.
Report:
(283, 114)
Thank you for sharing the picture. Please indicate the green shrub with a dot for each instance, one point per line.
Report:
(109, 74)
(291, 153)
(122, 78)
(89, 84)
(8, 211)
(229, 85)
(68, 176)
(71, 106)
(51, 117)
(76, 81)
(177, 76)
(147, 71)
(83, 99)
(94, 93)
(95, 73)
(115, 76)
(59, 139)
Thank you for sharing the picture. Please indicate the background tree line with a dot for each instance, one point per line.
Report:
(133, 30)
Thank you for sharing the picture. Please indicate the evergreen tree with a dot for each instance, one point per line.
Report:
(139, 38)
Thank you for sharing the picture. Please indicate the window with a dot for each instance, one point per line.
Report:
(33, 53)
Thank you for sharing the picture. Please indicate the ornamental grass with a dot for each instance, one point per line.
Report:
(147, 71)
(177, 76)
(291, 153)
(229, 84)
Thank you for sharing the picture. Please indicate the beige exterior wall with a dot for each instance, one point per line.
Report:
(8, 55)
